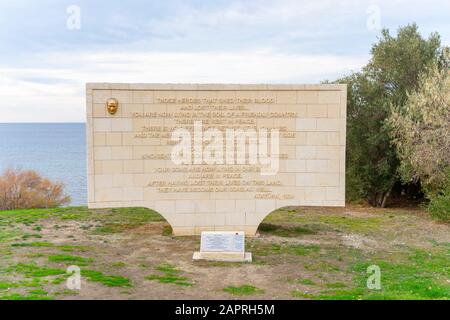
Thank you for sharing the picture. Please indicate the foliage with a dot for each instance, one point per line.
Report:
(392, 72)
(27, 189)
(439, 207)
(421, 131)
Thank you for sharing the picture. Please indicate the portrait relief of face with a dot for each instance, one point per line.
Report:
(112, 105)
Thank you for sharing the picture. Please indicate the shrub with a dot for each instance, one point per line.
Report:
(421, 132)
(439, 206)
(394, 69)
(22, 189)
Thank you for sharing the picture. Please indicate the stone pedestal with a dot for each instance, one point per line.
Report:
(223, 256)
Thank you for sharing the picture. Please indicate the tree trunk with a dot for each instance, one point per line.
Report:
(386, 195)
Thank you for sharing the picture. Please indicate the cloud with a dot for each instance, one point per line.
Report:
(44, 66)
(22, 87)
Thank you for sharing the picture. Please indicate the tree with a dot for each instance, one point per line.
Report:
(393, 71)
(421, 132)
(27, 189)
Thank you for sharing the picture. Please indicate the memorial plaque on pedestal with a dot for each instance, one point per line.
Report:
(223, 246)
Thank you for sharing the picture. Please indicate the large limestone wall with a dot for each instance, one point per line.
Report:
(129, 161)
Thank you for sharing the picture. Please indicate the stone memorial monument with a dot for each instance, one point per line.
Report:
(215, 157)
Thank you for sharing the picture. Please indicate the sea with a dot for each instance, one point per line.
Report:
(55, 150)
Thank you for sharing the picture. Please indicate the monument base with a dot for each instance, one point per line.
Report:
(223, 256)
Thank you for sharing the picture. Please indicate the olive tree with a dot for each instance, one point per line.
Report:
(421, 132)
(392, 72)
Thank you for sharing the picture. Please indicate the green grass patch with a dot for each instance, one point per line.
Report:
(70, 259)
(167, 231)
(31, 235)
(72, 248)
(30, 216)
(335, 285)
(420, 275)
(352, 224)
(66, 292)
(122, 219)
(118, 264)
(35, 255)
(18, 296)
(263, 249)
(302, 250)
(18, 284)
(38, 292)
(243, 290)
(32, 270)
(321, 266)
(300, 294)
(107, 280)
(170, 274)
(307, 282)
(112, 220)
(60, 279)
(284, 231)
(33, 244)
(8, 235)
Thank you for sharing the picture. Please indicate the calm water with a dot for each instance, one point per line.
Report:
(56, 150)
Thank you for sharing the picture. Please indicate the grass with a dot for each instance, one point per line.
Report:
(284, 231)
(353, 224)
(31, 216)
(33, 244)
(32, 270)
(118, 264)
(167, 231)
(291, 223)
(38, 291)
(31, 235)
(8, 235)
(72, 248)
(111, 220)
(35, 271)
(336, 285)
(307, 282)
(421, 275)
(17, 296)
(300, 294)
(263, 249)
(323, 266)
(107, 280)
(69, 259)
(169, 274)
(303, 250)
(243, 290)
(122, 219)
(18, 284)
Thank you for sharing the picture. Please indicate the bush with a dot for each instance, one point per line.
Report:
(394, 69)
(439, 206)
(420, 131)
(22, 189)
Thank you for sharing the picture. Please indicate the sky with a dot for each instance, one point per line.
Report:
(49, 50)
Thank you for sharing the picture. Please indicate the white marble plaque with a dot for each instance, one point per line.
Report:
(222, 241)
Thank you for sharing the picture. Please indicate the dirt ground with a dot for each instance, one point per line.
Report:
(299, 253)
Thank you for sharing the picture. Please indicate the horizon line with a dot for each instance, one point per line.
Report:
(42, 122)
